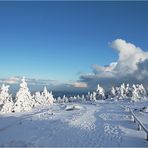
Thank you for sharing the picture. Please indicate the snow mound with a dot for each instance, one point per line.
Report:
(73, 107)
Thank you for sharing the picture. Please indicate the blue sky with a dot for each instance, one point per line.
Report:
(61, 40)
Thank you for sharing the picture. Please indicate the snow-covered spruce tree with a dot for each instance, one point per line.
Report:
(4, 93)
(128, 91)
(93, 96)
(65, 99)
(38, 98)
(138, 92)
(79, 99)
(6, 103)
(89, 96)
(142, 91)
(111, 93)
(83, 98)
(24, 101)
(135, 93)
(72, 98)
(47, 97)
(59, 100)
(122, 92)
(100, 93)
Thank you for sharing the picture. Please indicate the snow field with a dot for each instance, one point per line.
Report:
(102, 124)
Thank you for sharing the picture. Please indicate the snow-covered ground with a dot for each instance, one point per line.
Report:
(105, 123)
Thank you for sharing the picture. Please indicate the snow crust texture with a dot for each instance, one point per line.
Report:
(102, 124)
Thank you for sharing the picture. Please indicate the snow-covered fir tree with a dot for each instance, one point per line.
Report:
(38, 98)
(47, 97)
(83, 98)
(4, 95)
(122, 91)
(111, 93)
(24, 101)
(65, 99)
(93, 96)
(78, 98)
(138, 92)
(135, 93)
(128, 91)
(6, 103)
(142, 91)
(89, 96)
(100, 93)
(59, 100)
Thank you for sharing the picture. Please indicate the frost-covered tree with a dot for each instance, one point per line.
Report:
(127, 89)
(24, 101)
(38, 98)
(135, 93)
(47, 97)
(6, 103)
(65, 99)
(93, 96)
(100, 93)
(122, 91)
(142, 91)
(59, 100)
(111, 93)
(88, 96)
(138, 92)
(78, 98)
(83, 98)
(7, 106)
(4, 95)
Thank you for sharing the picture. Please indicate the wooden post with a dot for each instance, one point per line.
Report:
(134, 120)
(139, 127)
(131, 117)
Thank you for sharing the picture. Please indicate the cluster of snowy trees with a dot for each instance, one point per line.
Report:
(23, 101)
(133, 93)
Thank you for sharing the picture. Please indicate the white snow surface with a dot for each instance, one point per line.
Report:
(103, 124)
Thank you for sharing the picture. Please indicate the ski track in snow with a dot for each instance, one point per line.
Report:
(100, 125)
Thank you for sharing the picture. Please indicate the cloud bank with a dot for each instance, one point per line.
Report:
(38, 84)
(30, 81)
(131, 67)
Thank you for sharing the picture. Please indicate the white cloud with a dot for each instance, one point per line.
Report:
(37, 84)
(80, 85)
(126, 69)
(30, 81)
(129, 56)
(11, 80)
